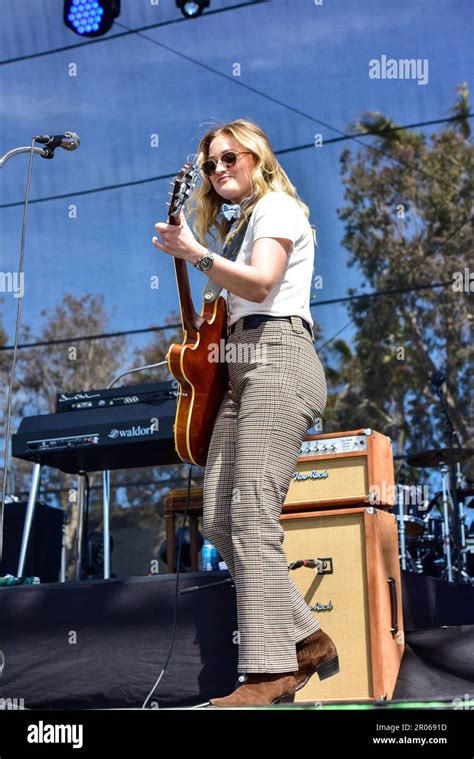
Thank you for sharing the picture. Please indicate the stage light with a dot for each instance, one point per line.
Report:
(192, 9)
(90, 18)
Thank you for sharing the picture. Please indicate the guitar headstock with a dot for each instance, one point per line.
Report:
(182, 187)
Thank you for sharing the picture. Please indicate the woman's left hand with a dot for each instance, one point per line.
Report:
(177, 241)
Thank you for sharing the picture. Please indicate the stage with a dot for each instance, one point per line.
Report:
(102, 644)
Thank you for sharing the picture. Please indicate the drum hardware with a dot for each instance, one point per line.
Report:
(421, 538)
(455, 454)
(434, 528)
(436, 548)
(411, 525)
(462, 491)
(444, 470)
(437, 456)
(453, 492)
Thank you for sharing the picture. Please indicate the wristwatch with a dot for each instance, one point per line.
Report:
(205, 262)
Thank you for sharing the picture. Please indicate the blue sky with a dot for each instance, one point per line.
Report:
(314, 59)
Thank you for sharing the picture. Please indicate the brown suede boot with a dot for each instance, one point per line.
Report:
(316, 653)
(261, 689)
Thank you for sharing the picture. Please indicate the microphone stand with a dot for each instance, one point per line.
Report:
(43, 152)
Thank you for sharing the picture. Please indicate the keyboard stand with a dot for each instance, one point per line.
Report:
(30, 510)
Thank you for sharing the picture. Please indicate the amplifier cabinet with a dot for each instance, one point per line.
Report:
(355, 596)
(341, 469)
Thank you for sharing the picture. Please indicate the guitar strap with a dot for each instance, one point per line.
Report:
(229, 251)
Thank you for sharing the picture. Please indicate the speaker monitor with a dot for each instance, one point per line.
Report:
(43, 557)
(355, 596)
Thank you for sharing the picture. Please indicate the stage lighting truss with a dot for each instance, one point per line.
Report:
(91, 18)
(192, 8)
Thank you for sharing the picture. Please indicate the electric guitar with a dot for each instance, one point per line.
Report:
(202, 382)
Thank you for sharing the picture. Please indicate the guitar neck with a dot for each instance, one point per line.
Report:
(190, 319)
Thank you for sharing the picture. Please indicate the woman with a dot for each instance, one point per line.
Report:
(277, 390)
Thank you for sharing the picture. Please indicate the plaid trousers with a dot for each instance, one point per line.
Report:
(277, 390)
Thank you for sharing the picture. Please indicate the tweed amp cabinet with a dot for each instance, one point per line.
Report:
(341, 469)
(355, 595)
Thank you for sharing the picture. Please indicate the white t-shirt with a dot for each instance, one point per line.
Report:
(279, 215)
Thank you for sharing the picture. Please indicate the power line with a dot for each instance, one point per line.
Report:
(377, 293)
(381, 133)
(178, 20)
(78, 193)
(312, 304)
(323, 345)
(281, 103)
(99, 336)
(106, 335)
(160, 177)
(234, 80)
(380, 293)
(397, 290)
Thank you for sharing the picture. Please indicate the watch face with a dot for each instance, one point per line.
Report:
(205, 263)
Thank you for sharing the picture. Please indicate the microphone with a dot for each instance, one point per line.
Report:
(68, 141)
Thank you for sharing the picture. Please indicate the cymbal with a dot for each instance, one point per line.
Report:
(438, 456)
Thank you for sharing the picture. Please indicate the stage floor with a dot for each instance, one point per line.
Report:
(102, 644)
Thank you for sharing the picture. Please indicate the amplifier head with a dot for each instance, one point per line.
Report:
(341, 469)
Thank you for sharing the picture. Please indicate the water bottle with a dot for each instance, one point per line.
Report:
(209, 558)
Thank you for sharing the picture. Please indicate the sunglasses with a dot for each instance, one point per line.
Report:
(227, 159)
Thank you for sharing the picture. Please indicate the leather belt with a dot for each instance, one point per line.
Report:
(254, 320)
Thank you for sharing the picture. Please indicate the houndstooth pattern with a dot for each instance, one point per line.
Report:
(272, 399)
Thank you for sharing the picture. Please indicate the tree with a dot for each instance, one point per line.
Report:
(5, 366)
(408, 221)
(74, 365)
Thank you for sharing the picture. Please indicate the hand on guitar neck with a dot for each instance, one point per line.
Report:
(178, 240)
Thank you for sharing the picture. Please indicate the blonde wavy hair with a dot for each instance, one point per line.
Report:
(266, 176)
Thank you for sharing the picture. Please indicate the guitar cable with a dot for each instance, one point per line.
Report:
(175, 601)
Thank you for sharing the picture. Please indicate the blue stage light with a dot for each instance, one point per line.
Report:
(191, 9)
(91, 19)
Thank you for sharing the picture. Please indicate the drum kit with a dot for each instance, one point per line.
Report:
(434, 534)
